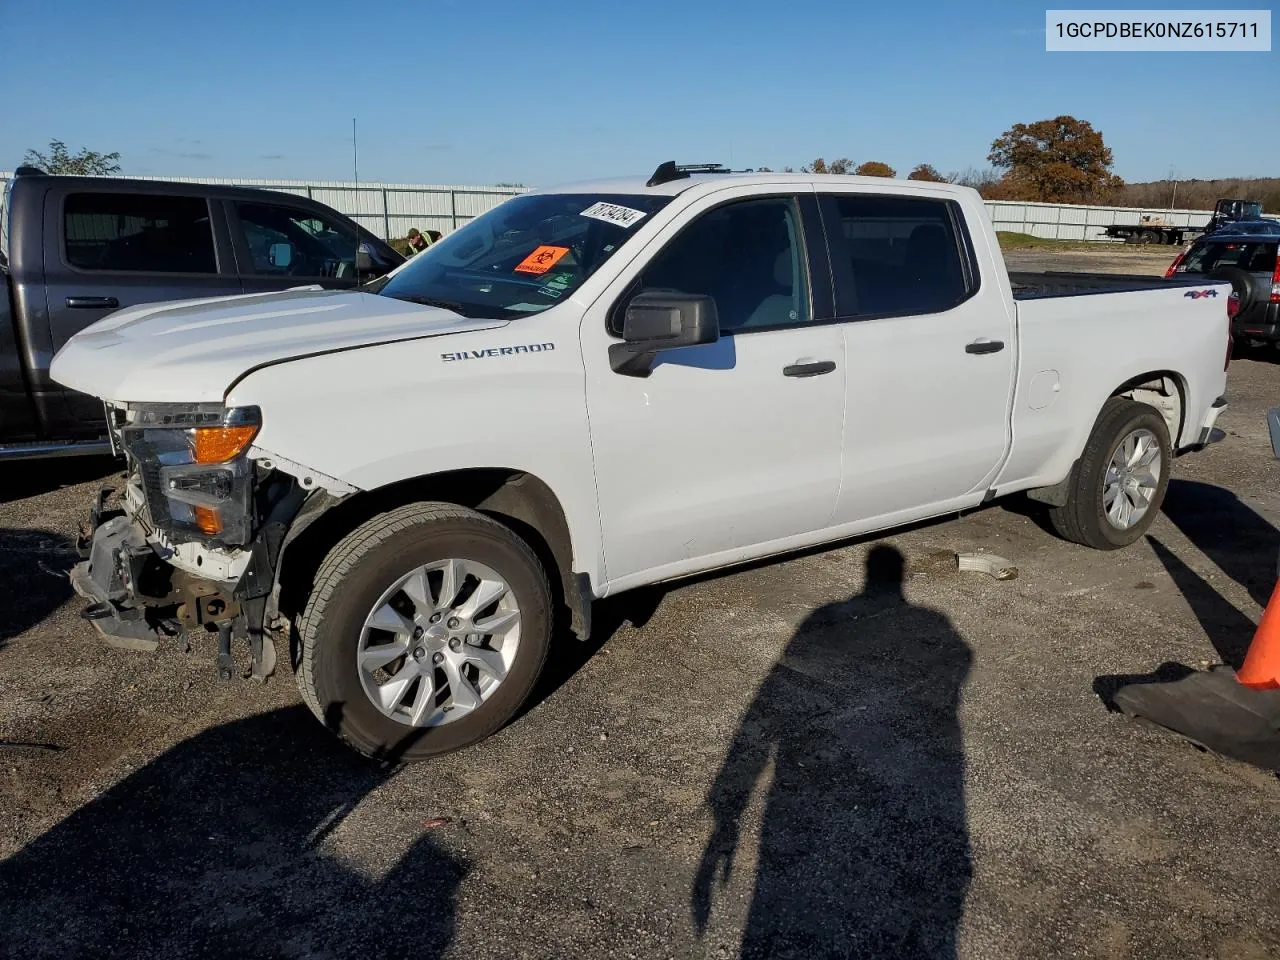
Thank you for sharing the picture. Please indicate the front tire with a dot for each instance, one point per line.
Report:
(425, 631)
(1119, 483)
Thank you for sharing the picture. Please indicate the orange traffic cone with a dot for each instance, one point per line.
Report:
(1261, 668)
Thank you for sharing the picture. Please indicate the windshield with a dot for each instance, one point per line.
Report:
(1256, 257)
(1240, 209)
(521, 257)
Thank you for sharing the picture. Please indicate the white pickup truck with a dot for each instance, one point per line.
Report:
(596, 387)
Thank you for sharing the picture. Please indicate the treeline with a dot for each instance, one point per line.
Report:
(1065, 160)
(1202, 194)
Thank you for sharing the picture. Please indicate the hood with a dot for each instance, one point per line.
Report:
(191, 351)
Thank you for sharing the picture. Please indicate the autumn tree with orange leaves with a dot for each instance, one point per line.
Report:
(874, 168)
(1063, 160)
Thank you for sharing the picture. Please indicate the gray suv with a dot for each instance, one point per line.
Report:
(1243, 255)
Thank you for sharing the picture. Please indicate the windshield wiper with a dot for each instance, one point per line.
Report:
(433, 302)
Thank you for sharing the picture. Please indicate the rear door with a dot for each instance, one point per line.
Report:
(114, 246)
(928, 355)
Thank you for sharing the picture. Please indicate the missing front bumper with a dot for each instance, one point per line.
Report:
(137, 599)
(104, 580)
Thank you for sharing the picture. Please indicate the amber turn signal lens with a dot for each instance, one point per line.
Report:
(220, 444)
(208, 520)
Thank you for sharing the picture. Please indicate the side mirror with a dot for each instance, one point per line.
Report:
(280, 255)
(364, 260)
(662, 320)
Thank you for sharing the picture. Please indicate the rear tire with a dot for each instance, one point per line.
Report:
(359, 577)
(1089, 515)
(1148, 236)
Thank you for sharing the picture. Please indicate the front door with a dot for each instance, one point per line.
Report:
(725, 446)
(929, 353)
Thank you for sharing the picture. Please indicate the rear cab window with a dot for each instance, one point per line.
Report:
(1253, 256)
(897, 256)
(138, 233)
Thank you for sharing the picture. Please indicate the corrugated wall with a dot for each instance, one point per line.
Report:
(390, 209)
(1064, 221)
(386, 209)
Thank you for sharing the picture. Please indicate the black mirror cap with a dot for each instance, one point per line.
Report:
(662, 320)
(364, 262)
(669, 318)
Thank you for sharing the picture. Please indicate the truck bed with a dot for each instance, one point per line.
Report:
(1053, 283)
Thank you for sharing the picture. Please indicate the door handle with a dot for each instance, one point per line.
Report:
(93, 303)
(983, 345)
(815, 369)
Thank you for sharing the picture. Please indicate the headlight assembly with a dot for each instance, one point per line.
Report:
(194, 475)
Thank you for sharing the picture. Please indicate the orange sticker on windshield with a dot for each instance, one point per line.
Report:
(542, 259)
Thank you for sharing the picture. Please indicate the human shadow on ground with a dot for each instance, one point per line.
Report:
(864, 849)
(33, 570)
(224, 847)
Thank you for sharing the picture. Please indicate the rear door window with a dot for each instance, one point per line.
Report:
(1207, 256)
(896, 256)
(138, 233)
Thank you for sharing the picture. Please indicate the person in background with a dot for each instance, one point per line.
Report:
(418, 241)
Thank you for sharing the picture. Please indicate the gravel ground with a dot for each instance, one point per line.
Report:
(851, 752)
(1111, 258)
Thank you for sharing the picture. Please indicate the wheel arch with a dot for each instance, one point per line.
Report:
(1165, 390)
(516, 498)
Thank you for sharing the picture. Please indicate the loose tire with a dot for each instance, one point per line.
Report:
(381, 613)
(1105, 491)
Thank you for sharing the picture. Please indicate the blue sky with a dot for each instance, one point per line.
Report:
(448, 91)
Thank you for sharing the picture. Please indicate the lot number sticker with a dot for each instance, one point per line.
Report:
(541, 260)
(612, 213)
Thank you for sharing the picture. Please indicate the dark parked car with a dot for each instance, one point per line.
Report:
(1247, 260)
(73, 249)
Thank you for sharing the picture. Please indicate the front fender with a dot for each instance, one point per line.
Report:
(381, 415)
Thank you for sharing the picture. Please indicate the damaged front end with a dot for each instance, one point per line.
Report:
(192, 543)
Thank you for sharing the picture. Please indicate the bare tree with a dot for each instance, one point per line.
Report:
(841, 166)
